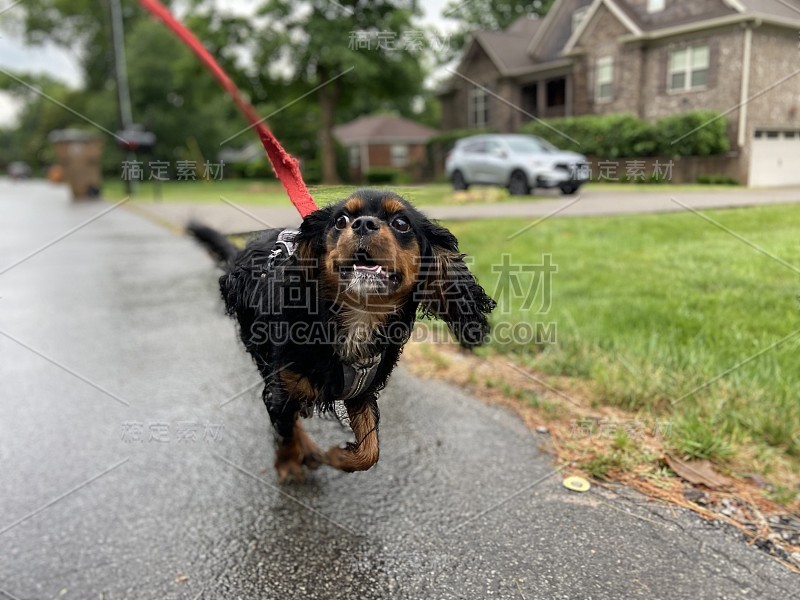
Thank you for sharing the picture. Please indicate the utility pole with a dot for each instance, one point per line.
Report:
(121, 76)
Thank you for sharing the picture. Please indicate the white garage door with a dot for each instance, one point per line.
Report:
(775, 157)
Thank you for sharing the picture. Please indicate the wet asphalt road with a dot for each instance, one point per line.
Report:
(129, 468)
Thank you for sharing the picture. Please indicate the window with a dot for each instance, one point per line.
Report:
(688, 69)
(475, 148)
(655, 5)
(577, 17)
(604, 88)
(399, 155)
(495, 149)
(478, 108)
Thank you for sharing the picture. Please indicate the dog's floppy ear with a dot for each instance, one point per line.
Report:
(313, 231)
(449, 291)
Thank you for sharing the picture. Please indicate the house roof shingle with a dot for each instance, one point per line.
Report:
(383, 129)
(508, 49)
(783, 9)
(650, 26)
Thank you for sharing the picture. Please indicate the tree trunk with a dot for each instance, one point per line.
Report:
(327, 106)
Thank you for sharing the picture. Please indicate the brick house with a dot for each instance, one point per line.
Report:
(650, 58)
(384, 141)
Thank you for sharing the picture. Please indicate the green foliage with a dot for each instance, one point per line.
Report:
(253, 169)
(386, 176)
(173, 95)
(77, 24)
(316, 41)
(621, 135)
(312, 168)
(716, 180)
(698, 133)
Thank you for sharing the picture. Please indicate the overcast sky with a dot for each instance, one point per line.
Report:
(61, 63)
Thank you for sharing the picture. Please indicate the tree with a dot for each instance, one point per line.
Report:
(171, 93)
(351, 51)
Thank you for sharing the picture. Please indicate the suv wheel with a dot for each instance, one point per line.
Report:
(518, 184)
(568, 188)
(458, 181)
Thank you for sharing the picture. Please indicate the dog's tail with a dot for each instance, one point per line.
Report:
(212, 240)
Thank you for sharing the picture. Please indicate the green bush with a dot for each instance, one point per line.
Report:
(716, 180)
(258, 169)
(700, 133)
(387, 176)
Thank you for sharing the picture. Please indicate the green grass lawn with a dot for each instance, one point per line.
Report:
(649, 308)
(272, 194)
(269, 192)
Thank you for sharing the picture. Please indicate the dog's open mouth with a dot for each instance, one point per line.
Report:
(365, 268)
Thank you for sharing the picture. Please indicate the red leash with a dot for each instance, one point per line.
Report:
(286, 167)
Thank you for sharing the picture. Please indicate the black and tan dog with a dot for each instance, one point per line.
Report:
(325, 312)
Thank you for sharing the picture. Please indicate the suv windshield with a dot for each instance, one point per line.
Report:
(530, 145)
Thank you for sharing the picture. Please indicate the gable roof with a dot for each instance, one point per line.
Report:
(549, 40)
(623, 17)
(508, 49)
(383, 129)
(784, 13)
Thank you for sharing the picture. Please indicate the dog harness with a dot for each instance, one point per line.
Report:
(284, 247)
(357, 376)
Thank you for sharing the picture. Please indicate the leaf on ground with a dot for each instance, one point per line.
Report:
(699, 472)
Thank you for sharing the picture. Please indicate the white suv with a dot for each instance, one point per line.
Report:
(518, 162)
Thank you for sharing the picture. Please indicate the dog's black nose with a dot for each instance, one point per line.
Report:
(366, 225)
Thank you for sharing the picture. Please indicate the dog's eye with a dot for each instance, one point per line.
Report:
(401, 224)
(342, 222)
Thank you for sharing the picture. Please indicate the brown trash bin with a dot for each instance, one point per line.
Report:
(79, 155)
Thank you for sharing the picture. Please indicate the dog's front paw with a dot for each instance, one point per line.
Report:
(290, 470)
(352, 457)
(340, 458)
(313, 458)
(296, 455)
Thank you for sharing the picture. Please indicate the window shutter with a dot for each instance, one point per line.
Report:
(713, 63)
(662, 68)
